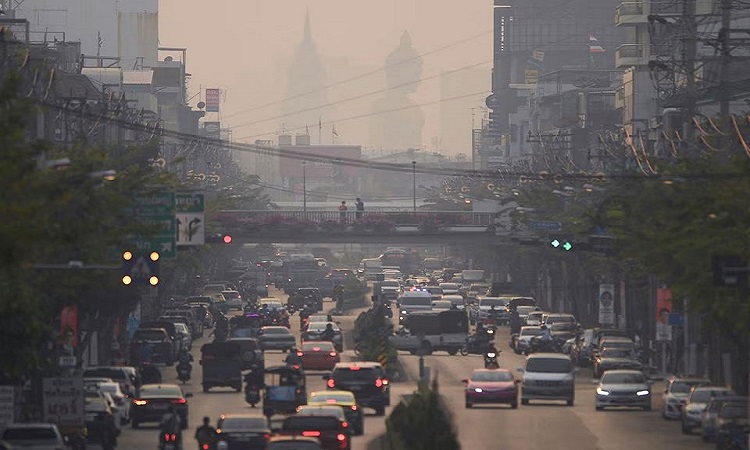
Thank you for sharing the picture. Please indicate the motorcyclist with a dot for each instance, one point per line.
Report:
(171, 424)
(205, 434)
(546, 335)
(515, 322)
(328, 334)
(293, 358)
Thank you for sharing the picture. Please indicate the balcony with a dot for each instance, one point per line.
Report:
(631, 55)
(631, 13)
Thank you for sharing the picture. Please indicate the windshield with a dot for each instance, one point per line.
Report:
(334, 398)
(683, 387)
(623, 378)
(558, 319)
(275, 330)
(705, 395)
(355, 375)
(114, 374)
(390, 283)
(162, 391)
(549, 365)
(524, 310)
(531, 331)
(490, 302)
(311, 423)
(22, 434)
(734, 411)
(317, 347)
(320, 326)
(416, 301)
(495, 375)
(616, 353)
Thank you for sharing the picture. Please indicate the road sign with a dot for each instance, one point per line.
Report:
(545, 225)
(140, 268)
(191, 228)
(676, 319)
(165, 245)
(63, 401)
(154, 204)
(162, 224)
(7, 405)
(189, 202)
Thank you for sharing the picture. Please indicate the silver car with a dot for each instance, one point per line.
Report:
(548, 376)
(623, 388)
(696, 403)
(676, 394)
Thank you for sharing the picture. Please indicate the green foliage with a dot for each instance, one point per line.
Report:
(421, 423)
(371, 331)
(673, 229)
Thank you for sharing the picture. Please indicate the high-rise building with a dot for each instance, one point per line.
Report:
(304, 107)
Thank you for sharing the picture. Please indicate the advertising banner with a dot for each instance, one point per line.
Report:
(213, 98)
(663, 310)
(606, 304)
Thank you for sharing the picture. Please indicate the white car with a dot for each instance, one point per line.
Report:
(676, 394)
(623, 388)
(187, 338)
(39, 436)
(696, 403)
(121, 400)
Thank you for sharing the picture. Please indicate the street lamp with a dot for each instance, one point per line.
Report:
(414, 179)
(304, 187)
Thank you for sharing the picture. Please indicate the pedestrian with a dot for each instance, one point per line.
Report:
(342, 210)
(360, 208)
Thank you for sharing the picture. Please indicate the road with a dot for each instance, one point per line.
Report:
(539, 425)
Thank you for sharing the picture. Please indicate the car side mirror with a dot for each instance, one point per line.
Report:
(189, 395)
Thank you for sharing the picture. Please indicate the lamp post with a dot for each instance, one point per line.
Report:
(414, 182)
(304, 188)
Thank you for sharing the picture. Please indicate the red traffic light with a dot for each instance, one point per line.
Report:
(227, 239)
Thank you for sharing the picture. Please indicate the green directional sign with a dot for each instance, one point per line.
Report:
(157, 211)
(186, 202)
(165, 245)
(162, 224)
(158, 203)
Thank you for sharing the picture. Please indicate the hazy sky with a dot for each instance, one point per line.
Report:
(244, 48)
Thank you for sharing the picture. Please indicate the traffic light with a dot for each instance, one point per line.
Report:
(561, 244)
(219, 238)
(227, 239)
(127, 263)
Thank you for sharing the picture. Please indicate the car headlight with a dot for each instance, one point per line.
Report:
(601, 391)
(478, 390)
(642, 393)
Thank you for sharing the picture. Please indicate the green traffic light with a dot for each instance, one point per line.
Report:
(567, 246)
(555, 243)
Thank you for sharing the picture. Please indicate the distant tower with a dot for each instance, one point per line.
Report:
(306, 74)
(402, 128)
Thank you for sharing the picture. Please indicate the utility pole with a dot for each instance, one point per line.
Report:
(689, 50)
(725, 36)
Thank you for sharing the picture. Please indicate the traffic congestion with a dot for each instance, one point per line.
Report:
(248, 365)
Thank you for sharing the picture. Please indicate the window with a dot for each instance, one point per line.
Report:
(354, 375)
(243, 424)
(492, 376)
(623, 378)
(23, 434)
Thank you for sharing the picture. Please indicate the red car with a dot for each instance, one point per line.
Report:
(491, 386)
(318, 355)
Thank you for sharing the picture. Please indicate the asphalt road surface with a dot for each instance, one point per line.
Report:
(540, 425)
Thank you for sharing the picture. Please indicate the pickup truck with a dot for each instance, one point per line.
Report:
(428, 331)
(412, 301)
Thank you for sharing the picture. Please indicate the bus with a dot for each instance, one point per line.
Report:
(404, 258)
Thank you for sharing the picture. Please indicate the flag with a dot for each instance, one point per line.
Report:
(334, 131)
(594, 46)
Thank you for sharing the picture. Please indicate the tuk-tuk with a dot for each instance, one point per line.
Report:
(284, 390)
(222, 365)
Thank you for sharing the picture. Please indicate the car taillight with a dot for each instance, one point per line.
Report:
(178, 401)
(300, 354)
(354, 407)
(139, 402)
(267, 436)
(313, 433)
(204, 447)
(345, 424)
(170, 437)
(341, 437)
(331, 383)
(333, 353)
(378, 383)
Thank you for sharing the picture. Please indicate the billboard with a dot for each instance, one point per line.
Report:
(606, 304)
(213, 98)
(663, 311)
(325, 167)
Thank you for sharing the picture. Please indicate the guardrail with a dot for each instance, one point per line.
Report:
(443, 218)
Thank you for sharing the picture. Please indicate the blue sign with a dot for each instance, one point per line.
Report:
(676, 319)
(546, 226)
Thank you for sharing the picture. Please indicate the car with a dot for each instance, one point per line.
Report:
(326, 286)
(623, 342)
(242, 432)
(442, 305)
(696, 403)
(318, 355)
(712, 415)
(191, 319)
(436, 292)
(484, 309)
(524, 311)
(615, 358)
(535, 318)
(554, 318)
(449, 288)
(491, 386)
(309, 296)
(522, 342)
(271, 303)
(162, 344)
(234, 300)
(101, 420)
(153, 400)
(623, 388)
(276, 338)
(330, 431)
(366, 380)
(344, 400)
(36, 436)
(292, 442)
(676, 393)
(126, 376)
(187, 338)
(251, 353)
(121, 400)
(732, 418)
(390, 289)
(456, 300)
(548, 376)
(325, 410)
(315, 330)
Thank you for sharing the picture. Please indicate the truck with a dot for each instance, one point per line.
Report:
(424, 332)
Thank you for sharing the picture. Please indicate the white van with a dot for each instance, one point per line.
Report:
(411, 301)
(548, 376)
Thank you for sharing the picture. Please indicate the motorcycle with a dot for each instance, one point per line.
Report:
(169, 441)
(184, 370)
(253, 385)
(475, 345)
(551, 345)
(490, 360)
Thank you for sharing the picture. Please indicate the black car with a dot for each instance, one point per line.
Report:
(154, 400)
(276, 338)
(243, 431)
(366, 380)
